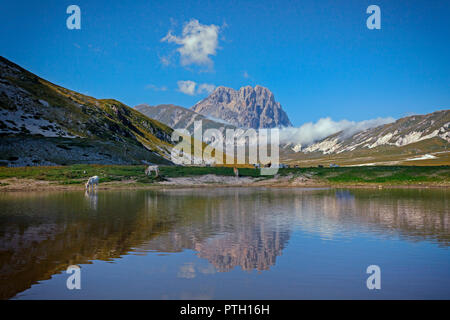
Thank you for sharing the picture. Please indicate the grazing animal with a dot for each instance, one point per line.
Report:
(236, 172)
(92, 182)
(149, 170)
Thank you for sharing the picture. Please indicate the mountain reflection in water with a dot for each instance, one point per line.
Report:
(43, 233)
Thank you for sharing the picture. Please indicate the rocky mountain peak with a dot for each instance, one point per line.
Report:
(247, 107)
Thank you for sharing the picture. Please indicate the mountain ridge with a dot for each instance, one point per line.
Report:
(402, 132)
(43, 123)
(178, 117)
(409, 140)
(247, 107)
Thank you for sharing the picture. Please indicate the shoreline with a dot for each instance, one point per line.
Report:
(24, 185)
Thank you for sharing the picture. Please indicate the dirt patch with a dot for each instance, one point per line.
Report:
(208, 179)
(15, 184)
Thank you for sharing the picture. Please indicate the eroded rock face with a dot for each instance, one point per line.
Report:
(247, 107)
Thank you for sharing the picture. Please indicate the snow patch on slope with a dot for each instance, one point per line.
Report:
(326, 146)
(424, 157)
(382, 140)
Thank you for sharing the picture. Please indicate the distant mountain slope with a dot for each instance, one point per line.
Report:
(247, 107)
(400, 133)
(427, 135)
(42, 123)
(178, 117)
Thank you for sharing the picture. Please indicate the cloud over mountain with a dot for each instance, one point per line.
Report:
(190, 87)
(197, 43)
(187, 87)
(310, 132)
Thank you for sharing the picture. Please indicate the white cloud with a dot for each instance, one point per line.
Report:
(310, 132)
(197, 43)
(205, 88)
(218, 120)
(164, 60)
(187, 271)
(190, 87)
(246, 75)
(187, 87)
(156, 88)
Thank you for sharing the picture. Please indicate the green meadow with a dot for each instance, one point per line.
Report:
(78, 174)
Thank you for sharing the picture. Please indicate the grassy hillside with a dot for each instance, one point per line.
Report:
(382, 155)
(33, 109)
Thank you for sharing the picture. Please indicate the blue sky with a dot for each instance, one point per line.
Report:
(317, 57)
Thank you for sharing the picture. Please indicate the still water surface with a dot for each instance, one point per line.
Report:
(230, 243)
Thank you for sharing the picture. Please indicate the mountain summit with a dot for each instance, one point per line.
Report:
(247, 107)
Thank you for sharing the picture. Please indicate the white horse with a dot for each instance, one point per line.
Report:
(92, 182)
(149, 170)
